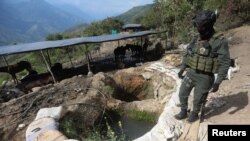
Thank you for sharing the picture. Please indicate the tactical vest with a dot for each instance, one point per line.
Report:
(204, 57)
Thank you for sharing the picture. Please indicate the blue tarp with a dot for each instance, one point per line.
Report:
(29, 47)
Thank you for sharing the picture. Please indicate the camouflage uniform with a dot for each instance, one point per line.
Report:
(207, 54)
(202, 61)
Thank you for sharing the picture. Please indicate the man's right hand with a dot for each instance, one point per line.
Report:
(214, 88)
(180, 74)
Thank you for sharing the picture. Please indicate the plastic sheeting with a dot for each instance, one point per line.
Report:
(29, 47)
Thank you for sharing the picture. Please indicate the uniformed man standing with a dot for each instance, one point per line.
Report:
(206, 54)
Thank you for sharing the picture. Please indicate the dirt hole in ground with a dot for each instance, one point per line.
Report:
(93, 121)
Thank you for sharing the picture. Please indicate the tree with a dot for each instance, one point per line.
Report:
(103, 27)
(56, 36)
(150, 20)
(176, 15)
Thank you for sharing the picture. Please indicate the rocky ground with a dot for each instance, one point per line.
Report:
(234, 93)
(90, 98)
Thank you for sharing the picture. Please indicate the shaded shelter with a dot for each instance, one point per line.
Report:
(66, 43)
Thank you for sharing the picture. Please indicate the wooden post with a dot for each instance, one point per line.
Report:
(88, 61)
(50, 64)
(142, 52)
(48, 67)
(5, 60)
(72, 65)
(141, 41)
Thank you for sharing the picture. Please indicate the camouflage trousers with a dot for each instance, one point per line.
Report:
(201, 83)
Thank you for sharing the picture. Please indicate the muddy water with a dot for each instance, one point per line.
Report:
(133, 128)
(124, 126)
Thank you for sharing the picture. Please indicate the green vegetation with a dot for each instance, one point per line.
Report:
(73, 128)
(134, 14)
(95, 136)
(108, 90)
(140, 115)
(94, 29)
(4, 77)
(171, 16)
(174, 17)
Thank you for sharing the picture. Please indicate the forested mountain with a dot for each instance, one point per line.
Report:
(173, 17)
(135, 13)
(32, 20)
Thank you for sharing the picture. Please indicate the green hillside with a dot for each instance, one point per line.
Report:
(31, 20)
(137, 12)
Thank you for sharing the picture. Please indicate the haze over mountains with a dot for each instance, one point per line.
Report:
(32, 20)
(73, 10)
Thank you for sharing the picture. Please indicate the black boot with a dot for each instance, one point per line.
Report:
(182, 114)
(192, 117)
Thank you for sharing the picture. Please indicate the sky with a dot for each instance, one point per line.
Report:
(102, 8)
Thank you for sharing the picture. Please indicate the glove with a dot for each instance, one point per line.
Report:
(214, 88)
(180, 74)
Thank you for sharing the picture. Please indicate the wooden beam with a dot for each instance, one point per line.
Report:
(7, 64)
(141, 41)
(50, 64)
(88, 60)
(72, 65)
(5, 60)
(48, 68)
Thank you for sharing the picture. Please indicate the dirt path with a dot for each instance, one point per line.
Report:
(236, 92)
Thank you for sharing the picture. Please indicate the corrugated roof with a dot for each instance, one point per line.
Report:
(29, 47)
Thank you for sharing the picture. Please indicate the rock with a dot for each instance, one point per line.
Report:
(138, 64)
(173, 59)
(149, 105)
(20, 127)
(90, 74)
(183, 46)
(114, 104)
(36, 89)
(147, 75)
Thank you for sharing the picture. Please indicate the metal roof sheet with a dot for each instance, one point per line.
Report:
(29, 47)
